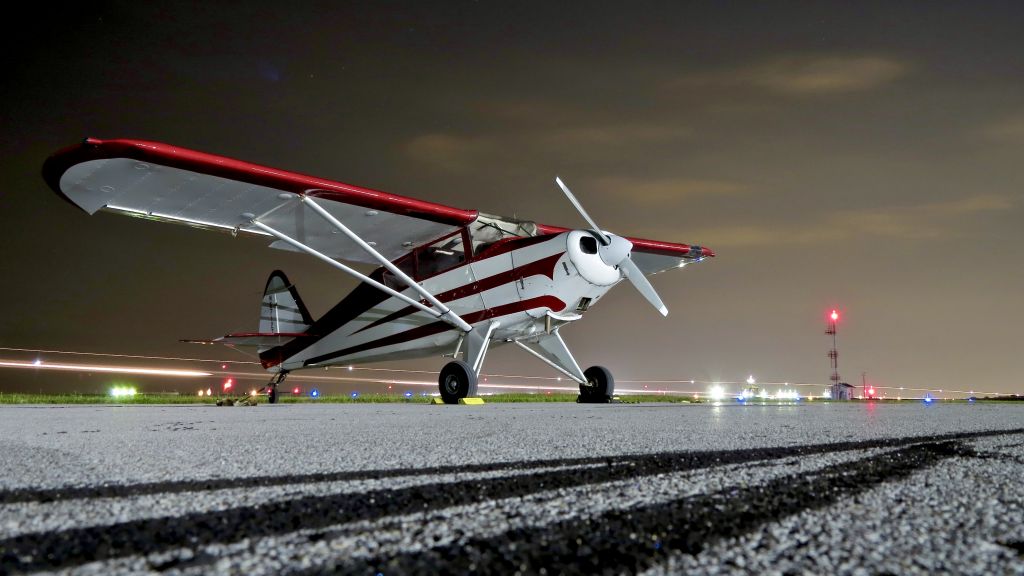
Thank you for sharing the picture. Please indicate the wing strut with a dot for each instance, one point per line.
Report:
(450, 317)
(445, 311)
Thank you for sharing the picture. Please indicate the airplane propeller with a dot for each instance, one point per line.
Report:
(615, 252)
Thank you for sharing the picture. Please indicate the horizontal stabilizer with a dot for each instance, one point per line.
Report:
(257, 339)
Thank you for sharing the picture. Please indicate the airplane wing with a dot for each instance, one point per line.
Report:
(168, 183)
(161, 182)
(653, 256)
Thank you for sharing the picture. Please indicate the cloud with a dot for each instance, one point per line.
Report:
(450, 152)
(624, 134)
(923, 222)
(808, 75)
(662, 191)
(459, 152)
(1008, 130)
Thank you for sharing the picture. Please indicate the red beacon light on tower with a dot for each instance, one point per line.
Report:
(228, 384)
(834, 316)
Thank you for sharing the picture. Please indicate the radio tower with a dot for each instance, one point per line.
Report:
(838, 392)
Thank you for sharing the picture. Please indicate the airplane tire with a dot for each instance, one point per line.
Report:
(457, 380)
(272, 395)
(602, 386)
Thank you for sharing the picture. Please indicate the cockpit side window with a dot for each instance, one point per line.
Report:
(406, 264)
(442, 255)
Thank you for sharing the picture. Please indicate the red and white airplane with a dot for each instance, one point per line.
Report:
(450, 282)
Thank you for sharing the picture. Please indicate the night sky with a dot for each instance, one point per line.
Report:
(864, 156)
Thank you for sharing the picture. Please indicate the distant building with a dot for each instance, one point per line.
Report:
(842, 391)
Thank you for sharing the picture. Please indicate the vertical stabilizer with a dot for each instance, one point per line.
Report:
(282, 311)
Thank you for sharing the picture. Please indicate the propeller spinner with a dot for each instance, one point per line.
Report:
(615, 252)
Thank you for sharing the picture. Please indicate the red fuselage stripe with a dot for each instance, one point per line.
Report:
(544, 266)
(437, 327)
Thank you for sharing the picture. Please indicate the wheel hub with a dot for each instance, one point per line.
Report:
(451, 384)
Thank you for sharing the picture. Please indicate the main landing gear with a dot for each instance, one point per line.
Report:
(272, 386)
(457, 380)
(600, 386)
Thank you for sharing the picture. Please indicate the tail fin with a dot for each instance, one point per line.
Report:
(282, 310)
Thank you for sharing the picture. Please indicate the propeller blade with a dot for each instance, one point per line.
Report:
(579, 208)
(636, 276)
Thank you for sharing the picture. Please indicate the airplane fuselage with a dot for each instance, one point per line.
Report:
(518, 283)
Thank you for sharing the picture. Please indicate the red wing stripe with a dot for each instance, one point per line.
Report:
(260, 334)
(210, 164)
(438, 327)
(545, 266)
(641, 245)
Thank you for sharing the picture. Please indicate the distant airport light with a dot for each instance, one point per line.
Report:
(200, 393)
(252, 392)
(750, 380)
(716, 393)
(408, 394)
(355, 395)
(834, 315)
(122, 391)
(787, 394)
(228, 384)
(314, 393)
(295, 390)
(209, 391)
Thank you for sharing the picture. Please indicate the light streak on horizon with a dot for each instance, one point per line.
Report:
(483, 377)
(114, 369)
(127, 356)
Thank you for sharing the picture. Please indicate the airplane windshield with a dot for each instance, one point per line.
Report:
(489, 229)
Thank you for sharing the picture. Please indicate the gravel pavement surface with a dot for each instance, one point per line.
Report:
(810, 488)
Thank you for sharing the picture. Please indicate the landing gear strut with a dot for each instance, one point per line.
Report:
(457, 380)
(272, 387)
(600, 386)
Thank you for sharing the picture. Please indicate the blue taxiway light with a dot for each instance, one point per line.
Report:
(355, 394)
(314, 393)
(408, 394)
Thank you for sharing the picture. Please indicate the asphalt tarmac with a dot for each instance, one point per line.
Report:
(808, 488)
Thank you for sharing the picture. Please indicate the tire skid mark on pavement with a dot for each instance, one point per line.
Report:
(435, 528)
(634, 539)
(95, 512)
(50, 550)
(76, 492)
